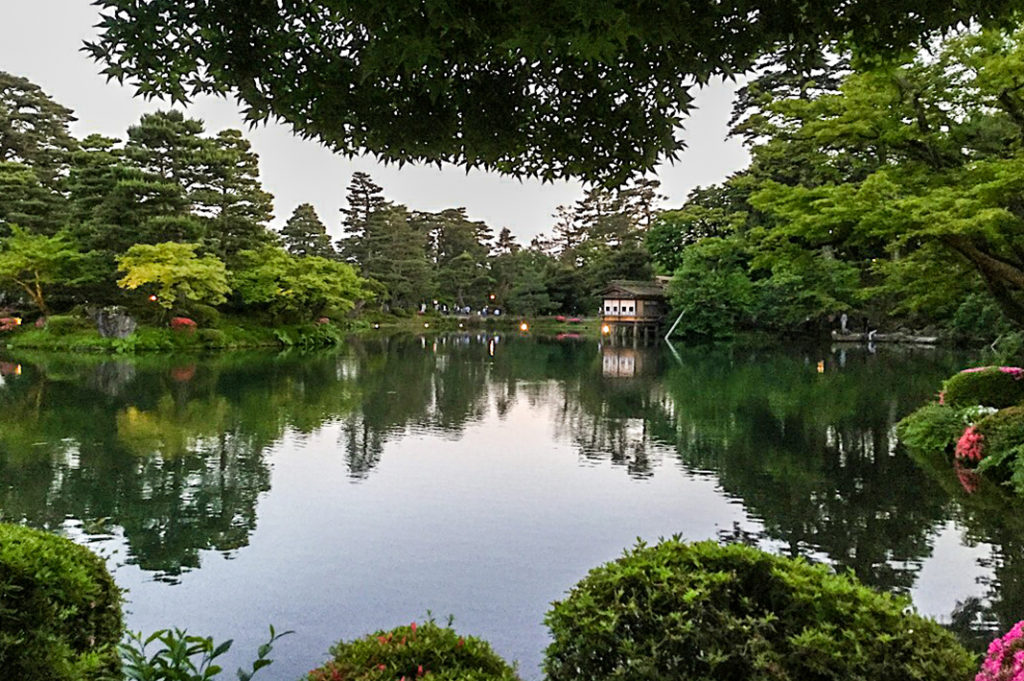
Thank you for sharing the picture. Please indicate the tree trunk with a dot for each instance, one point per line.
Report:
(1003, 279)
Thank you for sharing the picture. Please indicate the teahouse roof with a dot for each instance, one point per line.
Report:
(634, 289)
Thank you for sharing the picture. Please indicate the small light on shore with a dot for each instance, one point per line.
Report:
(376, 326)
(821, 367)
(152, 298)
(524, 327)
(605, 329)
(426, 325)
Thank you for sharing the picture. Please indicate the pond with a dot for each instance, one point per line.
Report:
(482, 476)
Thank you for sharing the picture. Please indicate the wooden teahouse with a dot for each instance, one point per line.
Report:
(635, 308)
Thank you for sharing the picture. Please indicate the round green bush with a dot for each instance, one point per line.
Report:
(412, 652)
(933, 427)
(60, 611)
(997, 387)
(709, 612)
(1002, 430)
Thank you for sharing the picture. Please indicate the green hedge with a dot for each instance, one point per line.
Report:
(413, 652)
(997, 387)
(703, 611)
(60, 611)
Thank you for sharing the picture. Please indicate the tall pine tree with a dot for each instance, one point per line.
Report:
(304, 233)
(364, 198)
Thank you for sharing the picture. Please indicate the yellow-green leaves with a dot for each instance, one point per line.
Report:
(174, 274)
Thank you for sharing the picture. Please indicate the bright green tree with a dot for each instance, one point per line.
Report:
(945, 136)
(296, 288)
(174, 273)
(34, 262)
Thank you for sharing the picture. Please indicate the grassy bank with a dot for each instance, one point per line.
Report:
(157, 339)
(69, 334)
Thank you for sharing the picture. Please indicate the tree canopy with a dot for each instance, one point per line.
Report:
(550, 89)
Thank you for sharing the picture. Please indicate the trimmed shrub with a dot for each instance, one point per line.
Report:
(65, 325)
(704, 611)
(1002, 449)
(997, 387)
(412, 652)
(213, 338)
(60, 611)
(205, 315)
(933, 427)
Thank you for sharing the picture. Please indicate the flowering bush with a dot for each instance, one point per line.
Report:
(183, 324)
(709, 612)
(970, 446)
(988, 386)
(1005, 660)
(9, 323)
(411, 653)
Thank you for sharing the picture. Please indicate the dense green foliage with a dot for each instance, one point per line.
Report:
(932, 428)
(563, 89)
(60, 618)
(989, 387)
(1003, 441)
(413, 652)
(174, 274)
(705, 611)
(885, 192)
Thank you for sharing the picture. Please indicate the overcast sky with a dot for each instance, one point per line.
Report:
(40, 40)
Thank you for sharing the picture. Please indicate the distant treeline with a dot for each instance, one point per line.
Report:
(892, 194)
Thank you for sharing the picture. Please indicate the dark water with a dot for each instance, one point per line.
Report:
(335, 494)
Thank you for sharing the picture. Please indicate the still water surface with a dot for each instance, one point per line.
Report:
(340, 493)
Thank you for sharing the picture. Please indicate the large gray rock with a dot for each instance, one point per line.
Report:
(113, 321)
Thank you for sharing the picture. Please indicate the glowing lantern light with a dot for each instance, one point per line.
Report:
(524, 327)
(152, 298)
(605, 329)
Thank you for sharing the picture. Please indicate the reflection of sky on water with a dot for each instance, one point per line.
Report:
(490, 527)
(342, 494)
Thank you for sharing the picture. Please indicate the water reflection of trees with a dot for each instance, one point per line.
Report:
(175, 451)
(813, 454)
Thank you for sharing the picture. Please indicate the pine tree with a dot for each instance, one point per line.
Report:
(396, 256)
(304, 233)
(168, 147)
(364, 198)
(230, 196)
(34, 129)
(507, 242)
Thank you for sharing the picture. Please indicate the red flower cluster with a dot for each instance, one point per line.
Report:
(970, 445)
(9, 323)
(183, 324)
